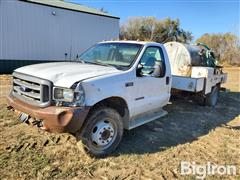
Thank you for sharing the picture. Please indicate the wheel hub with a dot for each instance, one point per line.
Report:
(102, 133)
(106, 134)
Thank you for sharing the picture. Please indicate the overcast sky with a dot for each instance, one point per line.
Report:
(197, 16)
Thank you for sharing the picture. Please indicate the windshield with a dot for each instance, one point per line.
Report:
(115, 54)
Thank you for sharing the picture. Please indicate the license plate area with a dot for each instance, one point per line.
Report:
(23, 117)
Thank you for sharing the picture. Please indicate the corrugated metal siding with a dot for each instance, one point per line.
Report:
(30, 32)
(7, 66)
(1, 29)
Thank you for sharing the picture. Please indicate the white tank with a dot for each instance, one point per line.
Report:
(182, 57)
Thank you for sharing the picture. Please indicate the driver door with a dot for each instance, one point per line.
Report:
(151, 92)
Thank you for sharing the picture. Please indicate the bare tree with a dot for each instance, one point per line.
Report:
(226, 47)
(152, 29)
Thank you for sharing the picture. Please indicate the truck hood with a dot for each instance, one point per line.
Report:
(65, 74)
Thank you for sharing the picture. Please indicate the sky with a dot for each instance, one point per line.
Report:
(196, 16)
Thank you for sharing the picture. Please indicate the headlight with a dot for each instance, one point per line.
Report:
(62, 94)
(69, 97)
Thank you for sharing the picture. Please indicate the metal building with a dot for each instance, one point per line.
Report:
(51, 30)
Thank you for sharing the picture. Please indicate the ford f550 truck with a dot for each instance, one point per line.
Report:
(113, 86)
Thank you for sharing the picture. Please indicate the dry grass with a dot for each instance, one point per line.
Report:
(5, 84)
(153, 151)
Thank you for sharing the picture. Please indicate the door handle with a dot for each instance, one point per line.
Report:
(128, 84)
(167, 80)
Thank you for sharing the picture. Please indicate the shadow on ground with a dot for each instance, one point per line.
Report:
(186, 121)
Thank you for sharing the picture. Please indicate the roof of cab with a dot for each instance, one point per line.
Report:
(132, 42)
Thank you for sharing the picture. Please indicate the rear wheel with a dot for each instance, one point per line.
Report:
(102, 132)
(212, 97)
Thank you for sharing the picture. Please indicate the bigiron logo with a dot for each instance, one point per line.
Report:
(202, 171)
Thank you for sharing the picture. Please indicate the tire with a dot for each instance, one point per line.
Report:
(102, 132)
(212, 97)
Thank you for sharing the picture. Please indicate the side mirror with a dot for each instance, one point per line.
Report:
(159, 69)
(139, 70)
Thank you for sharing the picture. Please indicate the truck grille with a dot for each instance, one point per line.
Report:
(32, 90)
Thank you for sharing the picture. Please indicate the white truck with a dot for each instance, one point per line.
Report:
(114, 85)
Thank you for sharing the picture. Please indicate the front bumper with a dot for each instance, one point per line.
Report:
(54, 119)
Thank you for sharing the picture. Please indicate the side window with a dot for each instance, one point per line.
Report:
(152, 57)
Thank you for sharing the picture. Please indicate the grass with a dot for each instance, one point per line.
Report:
(26, 163)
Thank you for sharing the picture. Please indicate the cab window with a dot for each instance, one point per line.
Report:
(151, 56)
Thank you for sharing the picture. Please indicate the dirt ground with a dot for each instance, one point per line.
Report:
(153, 151)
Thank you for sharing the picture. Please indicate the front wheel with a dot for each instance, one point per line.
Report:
(102, 132)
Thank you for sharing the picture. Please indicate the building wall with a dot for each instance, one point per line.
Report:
(31, 32)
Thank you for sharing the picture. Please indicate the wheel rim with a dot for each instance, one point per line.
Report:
(103, 134)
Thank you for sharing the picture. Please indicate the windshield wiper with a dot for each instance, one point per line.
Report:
(91, 62)
(99, 63)
(109, 65)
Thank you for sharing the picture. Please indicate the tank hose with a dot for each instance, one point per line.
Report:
(209, 55)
